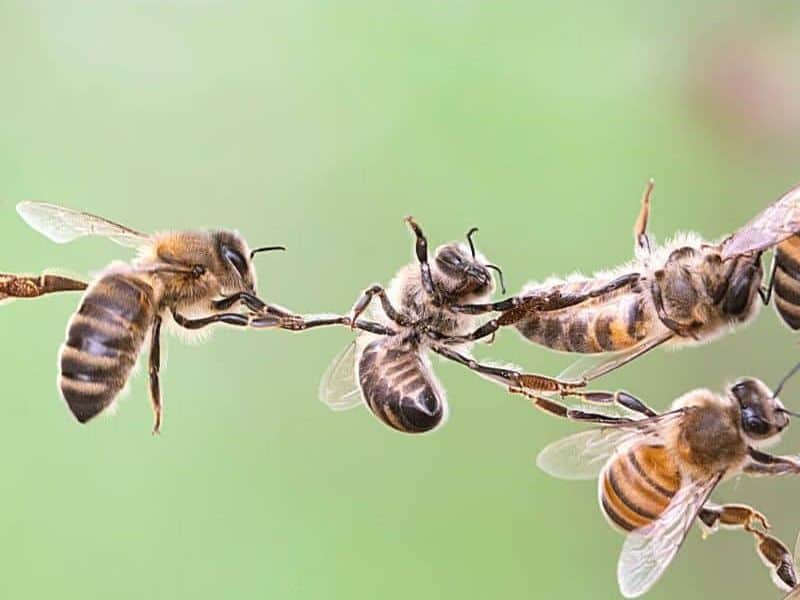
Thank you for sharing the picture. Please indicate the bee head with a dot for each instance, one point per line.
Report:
(762, 413)
(461, 272)
(234, 262)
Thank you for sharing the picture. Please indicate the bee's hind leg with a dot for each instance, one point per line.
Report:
(739, 516)
(154, 368)
(640, 227)
(560, 410)
(778, 558)
(507, 377)
(621, 398)
(24, 286)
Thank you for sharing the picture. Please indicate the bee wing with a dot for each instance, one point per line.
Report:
(64, 225)
(339, 388)
(593, 366)
(774, 224)
(648, 551)
(583, 455)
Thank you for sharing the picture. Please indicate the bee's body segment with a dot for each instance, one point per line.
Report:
(398, 387)
(637, 486)
(613, 322)
(786, 281)
(104, 339)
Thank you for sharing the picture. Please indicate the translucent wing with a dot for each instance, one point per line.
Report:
(649, 551)
(774, 224)
(596, 365)
(339, 389)
(63, 225)
(583, 455)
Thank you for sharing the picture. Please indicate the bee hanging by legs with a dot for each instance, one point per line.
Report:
(387, 367)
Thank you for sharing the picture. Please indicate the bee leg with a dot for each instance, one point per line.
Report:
(766, 292)
(622, 398)
(777, 558)
(372, 327)
(421, 249)
(251, 301)
(507, 377)
(559, 410)
(155, 366)
(365, 300)
(480, 309)
(303, 322)
(761, 463)
(640, 227)
(712, 516)
(23, 286)
(485, 330)
(235, 319)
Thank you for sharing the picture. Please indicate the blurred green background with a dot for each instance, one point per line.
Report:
(320, 125)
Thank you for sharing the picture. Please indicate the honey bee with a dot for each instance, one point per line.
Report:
(685, 292)
(656, 472)
(190, 279)
(779, 561)
(387, 366)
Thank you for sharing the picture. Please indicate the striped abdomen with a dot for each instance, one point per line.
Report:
(103, 341)
(637, 486)
(787, 281)
(607, 324)
(399, 388)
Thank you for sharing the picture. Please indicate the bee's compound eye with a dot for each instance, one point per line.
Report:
(753, 423)
(236, 259)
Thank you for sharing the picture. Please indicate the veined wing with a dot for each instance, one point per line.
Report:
(583, 455)
(64, 225)
(773, 225)
(648, 551)
(338, 388)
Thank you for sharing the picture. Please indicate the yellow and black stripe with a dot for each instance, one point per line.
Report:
(787, 281)
(103, 341)
(619, 323)
(637, 487)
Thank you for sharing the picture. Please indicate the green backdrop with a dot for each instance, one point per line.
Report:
(320, 125)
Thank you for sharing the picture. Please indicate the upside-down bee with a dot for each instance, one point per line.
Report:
(387, 365)
(189, 278)
(685, 292)
(656, 472)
